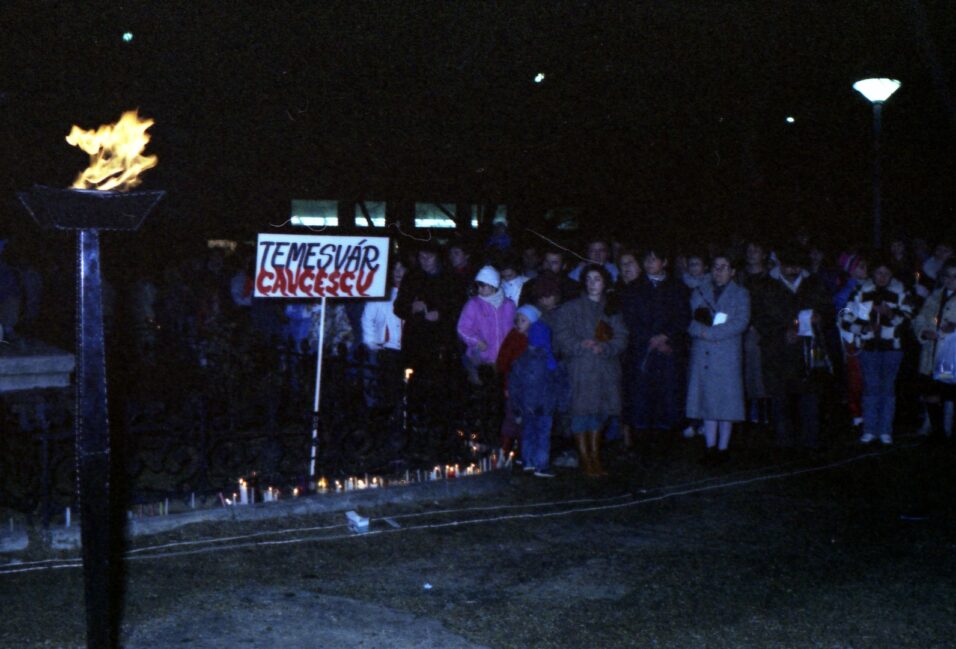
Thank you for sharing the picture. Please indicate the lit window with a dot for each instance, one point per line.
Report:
(315, 214)
(376, 212)
(434, 215)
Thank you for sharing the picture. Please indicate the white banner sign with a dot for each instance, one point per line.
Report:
(302, 266)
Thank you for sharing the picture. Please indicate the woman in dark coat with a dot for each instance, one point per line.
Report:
(591, 337)
(656, 312)
(715, 389)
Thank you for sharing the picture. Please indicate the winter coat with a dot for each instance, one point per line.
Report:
(536, 391)
(595, 378)
(381, 328)
(715, 389)
(423, 340)
(511, 350)
(656, 382)
(774, 309)
(862, 326)
(927, 321)
(482, 322)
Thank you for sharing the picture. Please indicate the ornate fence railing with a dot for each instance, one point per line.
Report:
(185, 430)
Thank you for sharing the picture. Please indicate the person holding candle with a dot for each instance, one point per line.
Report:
(428, 303)
(590, 336)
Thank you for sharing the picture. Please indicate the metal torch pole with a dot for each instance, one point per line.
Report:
(93, 444)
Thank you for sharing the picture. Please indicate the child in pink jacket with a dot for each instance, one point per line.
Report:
(485, 321)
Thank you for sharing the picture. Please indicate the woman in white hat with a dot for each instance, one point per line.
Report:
(485, 321)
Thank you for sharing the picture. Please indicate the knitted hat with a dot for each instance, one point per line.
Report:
(488, 275)
(530, 312)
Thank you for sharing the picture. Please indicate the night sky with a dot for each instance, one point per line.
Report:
(651, 113)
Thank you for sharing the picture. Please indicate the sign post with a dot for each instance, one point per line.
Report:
(309, 267)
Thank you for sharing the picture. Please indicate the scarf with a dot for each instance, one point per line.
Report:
(657, 279)
(496, 299)
(791, 286)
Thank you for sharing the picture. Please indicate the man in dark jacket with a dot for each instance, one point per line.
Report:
(656, 309)
(429, 302)
(791, 312)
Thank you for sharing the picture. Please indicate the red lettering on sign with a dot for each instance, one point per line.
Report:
(261, 280)
(345, 282)
(305, 280)
(317, 288)
(333, 288)
(364, 282)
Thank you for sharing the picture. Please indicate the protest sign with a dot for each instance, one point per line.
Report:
(304, 266)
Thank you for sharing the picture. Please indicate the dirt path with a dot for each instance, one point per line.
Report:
(853, 550)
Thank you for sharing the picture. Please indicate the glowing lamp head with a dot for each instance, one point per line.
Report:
(538, 78)
(790, 119)
(127, 37)
(877, 90)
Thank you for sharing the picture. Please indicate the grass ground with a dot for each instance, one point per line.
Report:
(852, 548)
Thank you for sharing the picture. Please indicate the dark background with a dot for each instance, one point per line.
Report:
(653, 114)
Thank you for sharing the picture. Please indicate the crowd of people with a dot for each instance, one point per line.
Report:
(641, 344)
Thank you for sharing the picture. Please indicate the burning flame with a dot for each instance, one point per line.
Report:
(116, 159)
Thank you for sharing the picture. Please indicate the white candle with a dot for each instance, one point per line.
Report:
(67, 517)
(192, 500)
(243, 493)
(166, 507)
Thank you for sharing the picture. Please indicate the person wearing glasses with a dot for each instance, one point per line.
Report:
(935, 321)
(715, 389)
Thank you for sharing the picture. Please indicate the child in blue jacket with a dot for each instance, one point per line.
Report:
(538, 388)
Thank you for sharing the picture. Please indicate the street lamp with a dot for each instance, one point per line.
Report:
(876, 91)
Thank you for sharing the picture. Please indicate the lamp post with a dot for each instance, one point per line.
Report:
(876, 91)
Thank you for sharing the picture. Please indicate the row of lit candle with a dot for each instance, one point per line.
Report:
(246, 495)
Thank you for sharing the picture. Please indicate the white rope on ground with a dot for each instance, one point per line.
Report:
(73, 563)
(437, 512)
(220, 539)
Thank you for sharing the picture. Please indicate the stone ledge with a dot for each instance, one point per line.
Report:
(15, 541)
(68, 538)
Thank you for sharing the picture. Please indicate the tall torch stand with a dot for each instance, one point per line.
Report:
(88, 212)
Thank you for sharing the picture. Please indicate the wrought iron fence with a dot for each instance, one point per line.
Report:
(188, 423)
